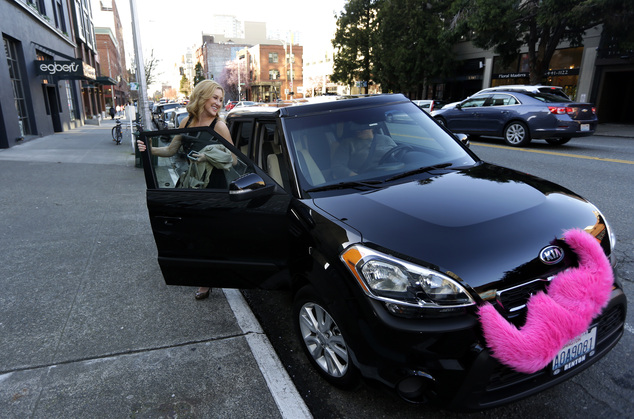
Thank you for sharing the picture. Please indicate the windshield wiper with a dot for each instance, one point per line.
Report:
(351, 184)
(419, 170)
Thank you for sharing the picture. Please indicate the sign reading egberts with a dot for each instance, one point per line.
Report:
(73, 69)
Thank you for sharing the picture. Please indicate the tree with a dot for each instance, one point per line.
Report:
(151, 69)
(185, 89)
(413, 47)
(199, 76)
(229, 79)
(354, 42)
(507, 25)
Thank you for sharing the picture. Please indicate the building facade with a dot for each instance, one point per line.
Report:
(590, 73)
(49, 74)
(276, 72)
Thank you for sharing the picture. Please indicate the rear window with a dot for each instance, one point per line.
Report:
(556, 92)
(550, 97)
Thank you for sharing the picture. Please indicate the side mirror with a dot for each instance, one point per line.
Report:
(458, 106)
(248, 187)
(464, 139)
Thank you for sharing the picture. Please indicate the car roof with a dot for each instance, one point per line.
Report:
(342, 102)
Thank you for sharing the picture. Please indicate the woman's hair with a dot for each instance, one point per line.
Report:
(202, 92)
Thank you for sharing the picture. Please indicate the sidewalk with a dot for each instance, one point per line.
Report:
(615, 130)
(87, 326)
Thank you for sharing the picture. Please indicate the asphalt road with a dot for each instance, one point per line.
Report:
(598, 168)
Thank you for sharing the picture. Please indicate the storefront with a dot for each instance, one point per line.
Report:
(563, 71)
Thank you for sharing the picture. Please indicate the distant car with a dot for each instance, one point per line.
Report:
(520, 117)
(157, 113)
(243, 103)
(164, 118)
(528, 88)
(176, 117)
(230, 105)
(429, 105)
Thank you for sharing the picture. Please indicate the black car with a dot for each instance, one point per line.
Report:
(392, 264)
(520, 116)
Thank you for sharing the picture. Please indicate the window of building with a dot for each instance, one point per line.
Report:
(273, 57)
(11, 51)
(71, 100)
(60, 18)
(274, 74)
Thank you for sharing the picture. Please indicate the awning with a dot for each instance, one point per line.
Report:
(65, 69)
(105, 80)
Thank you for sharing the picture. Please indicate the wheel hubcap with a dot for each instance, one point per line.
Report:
(515, 134)
(323, 339)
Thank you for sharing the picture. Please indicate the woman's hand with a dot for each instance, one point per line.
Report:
(140, 145)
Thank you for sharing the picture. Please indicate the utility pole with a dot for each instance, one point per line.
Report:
(140, 67)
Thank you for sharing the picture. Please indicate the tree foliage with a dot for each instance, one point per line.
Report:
(412, 44)
(198, 71)
(506, 25)
(354, 42)
(185, 88)
(229, 79)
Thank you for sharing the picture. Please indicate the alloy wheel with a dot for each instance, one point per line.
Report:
(323, 339)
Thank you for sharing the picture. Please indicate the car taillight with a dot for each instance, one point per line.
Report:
(560, 110)
(594, 110)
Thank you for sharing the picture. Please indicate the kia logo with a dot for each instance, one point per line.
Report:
(551, 255)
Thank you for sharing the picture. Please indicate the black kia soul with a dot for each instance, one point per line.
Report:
(394, 238)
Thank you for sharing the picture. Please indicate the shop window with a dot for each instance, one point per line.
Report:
(15, 74)
(569, 58)
(274, 74)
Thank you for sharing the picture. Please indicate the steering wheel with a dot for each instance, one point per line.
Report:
(396, 154)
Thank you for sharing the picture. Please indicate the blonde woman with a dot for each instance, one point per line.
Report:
(204, 106)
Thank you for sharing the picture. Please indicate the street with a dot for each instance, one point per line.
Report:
(601, 169)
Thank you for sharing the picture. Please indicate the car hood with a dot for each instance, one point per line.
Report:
(486, 224)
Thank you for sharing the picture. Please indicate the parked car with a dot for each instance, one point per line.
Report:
(158, 111)
(176, 117)
(429, 105)
(394, 266)
(520, 117)
(244, 103)
(230, 105)
(528, 88)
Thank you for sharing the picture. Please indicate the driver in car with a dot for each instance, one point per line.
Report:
(359, 152)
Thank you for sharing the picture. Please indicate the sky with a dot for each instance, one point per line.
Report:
(168, 27)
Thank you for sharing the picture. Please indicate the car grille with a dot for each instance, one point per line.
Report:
(607, 324)
(513, 300)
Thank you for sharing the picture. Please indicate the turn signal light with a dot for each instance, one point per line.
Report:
(560, 110)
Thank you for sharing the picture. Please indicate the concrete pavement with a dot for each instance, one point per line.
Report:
(87, 326)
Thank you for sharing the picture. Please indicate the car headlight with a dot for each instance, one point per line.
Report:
(406, 289)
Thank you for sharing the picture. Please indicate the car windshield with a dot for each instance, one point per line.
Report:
(359, 147)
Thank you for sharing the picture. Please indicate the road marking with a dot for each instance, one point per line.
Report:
(286, 396)
(554, 153)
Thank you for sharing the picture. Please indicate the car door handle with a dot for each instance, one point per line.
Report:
(169, 221)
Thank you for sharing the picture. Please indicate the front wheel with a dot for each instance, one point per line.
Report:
(322, 340)
(516, 134)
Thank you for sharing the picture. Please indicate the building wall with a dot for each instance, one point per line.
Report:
(30, 32)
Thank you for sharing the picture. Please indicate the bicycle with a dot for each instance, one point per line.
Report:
(117, 134)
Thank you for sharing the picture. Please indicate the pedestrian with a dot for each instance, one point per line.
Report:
(203, 109)
(112, 112)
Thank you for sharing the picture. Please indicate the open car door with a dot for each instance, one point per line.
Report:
(222, 223)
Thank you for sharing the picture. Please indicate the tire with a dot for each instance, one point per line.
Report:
(322, 340)
(114, 133)
(557, 141)
(516, 134)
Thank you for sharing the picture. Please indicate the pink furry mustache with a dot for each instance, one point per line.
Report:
(574, 298)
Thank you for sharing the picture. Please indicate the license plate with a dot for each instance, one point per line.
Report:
(585, 127)
(575, 352)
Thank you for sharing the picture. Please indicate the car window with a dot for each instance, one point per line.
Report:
(503, 100)
(181, 170)
(474, 102)
(241, 131)
(549, 97)
(367, 144)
